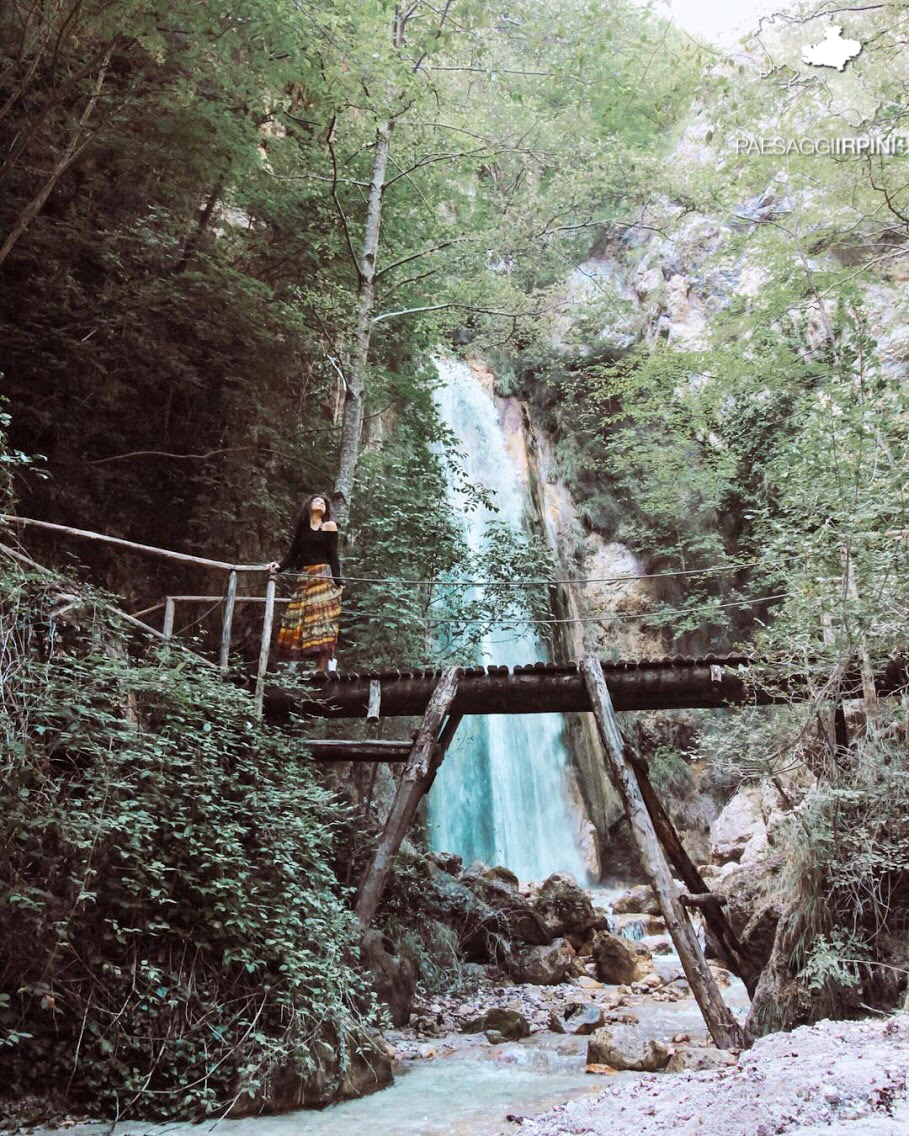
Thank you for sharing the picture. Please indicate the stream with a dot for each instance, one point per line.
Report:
(462, 1085)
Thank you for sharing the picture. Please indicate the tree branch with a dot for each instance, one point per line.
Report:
(431, 160)
(463, 307)
(423, 252)
(329, 141)
(444, 16)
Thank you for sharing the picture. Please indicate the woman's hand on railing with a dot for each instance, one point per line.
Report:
(274, 566)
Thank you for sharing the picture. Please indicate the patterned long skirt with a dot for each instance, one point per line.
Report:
(310, 624)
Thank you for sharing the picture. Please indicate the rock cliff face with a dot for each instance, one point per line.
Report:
(672, 277)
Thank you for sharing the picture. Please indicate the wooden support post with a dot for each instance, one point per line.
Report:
(360, 751)
(425, 757)
(228, 621)
(731, 952)
(726, 1032)
(375, 700)
(170, 607)
(366, 802)
(266, 643)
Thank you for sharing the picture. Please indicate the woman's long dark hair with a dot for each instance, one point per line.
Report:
(304, 511)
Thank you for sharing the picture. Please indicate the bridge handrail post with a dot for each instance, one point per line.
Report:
(264, 650)
(228, 621)
(170, 610)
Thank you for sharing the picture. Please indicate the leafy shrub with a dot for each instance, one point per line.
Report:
(845, 885)
(670, 774)
(171, 931)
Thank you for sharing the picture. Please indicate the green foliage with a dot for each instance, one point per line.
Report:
(11, 461)
(173, 933)
(178, 317)
(670, 774)
(845, 883)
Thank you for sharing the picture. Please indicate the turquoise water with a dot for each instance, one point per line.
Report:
(502, 793)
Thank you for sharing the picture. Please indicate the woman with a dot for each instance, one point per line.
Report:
(309, 628)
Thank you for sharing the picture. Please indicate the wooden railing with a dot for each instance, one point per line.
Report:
(169, 604)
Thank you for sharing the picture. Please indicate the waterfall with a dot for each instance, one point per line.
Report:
(502, 793)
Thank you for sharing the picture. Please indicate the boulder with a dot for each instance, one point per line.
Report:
(623, 1047)
(565, 907)
(619, 961)
(497, 873)
(509, 1024)
(739, 826)
(641, 900)
(448, 862)
(658, 944)
(752, 905)
(588, 983)
(544, 965)
(577, 1018)
(497, 888)
(482, 931)
(695, 1059)
(369, 1068)
(394, 978)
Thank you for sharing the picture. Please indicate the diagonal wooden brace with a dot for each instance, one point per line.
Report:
(426, 756)
(726, 1031)
(731, 952)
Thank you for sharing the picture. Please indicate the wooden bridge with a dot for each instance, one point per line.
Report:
(441, 697)
(670, 683)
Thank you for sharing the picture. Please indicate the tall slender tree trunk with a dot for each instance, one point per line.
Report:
(352, 421)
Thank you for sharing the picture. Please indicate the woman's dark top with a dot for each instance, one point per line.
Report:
(313, 546)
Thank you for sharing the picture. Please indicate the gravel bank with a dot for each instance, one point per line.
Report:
(846, 1078)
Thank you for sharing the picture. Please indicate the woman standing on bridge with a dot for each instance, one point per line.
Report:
(309, 628)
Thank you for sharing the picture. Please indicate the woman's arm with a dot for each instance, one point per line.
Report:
(290, 556)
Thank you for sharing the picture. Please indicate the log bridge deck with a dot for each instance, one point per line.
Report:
(671, 683)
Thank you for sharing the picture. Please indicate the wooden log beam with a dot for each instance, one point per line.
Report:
(724, 1029)
(364, 750)
(119, 542)
(731, 952)
(425, 757)
(649, 685)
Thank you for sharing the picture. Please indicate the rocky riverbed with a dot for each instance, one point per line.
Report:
(604, 1037)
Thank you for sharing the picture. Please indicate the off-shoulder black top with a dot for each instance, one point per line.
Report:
(313, 546)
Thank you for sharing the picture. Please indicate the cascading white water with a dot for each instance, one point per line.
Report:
(501, 795)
